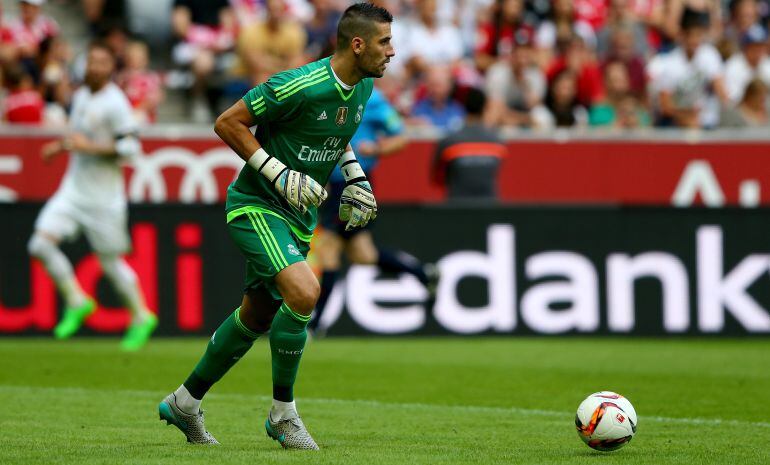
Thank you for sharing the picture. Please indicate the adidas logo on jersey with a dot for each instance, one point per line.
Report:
(322, 116)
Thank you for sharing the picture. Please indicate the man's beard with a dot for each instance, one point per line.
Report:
(95, 82)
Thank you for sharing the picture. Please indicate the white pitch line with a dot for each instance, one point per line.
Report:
(401, 405)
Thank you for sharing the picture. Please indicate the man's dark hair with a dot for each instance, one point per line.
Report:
(358, 21)
(101, 45)
(692, 19)
(475, 101)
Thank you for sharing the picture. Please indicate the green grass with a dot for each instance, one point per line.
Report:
(394, 401)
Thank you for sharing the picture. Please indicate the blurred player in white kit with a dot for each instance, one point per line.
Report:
(91, 199)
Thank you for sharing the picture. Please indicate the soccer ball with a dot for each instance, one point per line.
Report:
(606, 421)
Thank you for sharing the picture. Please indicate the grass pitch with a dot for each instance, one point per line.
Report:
(392, 401)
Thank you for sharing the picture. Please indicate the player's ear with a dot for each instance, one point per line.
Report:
(358, 45)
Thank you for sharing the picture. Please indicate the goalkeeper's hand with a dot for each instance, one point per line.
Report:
(300, 190)
(357, 205)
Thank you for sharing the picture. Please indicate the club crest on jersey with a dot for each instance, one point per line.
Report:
(292, 249)
(342, 116)
(359, 113)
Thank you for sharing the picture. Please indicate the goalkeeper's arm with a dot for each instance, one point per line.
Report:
(357, 204)
(300, 190)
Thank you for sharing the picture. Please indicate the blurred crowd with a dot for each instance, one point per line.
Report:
(540, 64)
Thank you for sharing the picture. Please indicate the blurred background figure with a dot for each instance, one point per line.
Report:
(496, 38)
(438, 108)
(271, 45)
(322, 29)
(750, 63)
(100, 12)
(27, 32)
(752, 109)
(380, 134)
(620, 107)
(467, 161)
(688, 81)
(23, 104)
(142, 86)
(562, 105)
(515, 85)
(205, 33)
(575, 56)
(430, 42)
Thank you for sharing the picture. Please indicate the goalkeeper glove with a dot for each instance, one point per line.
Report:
(300, 190)
(357, 204)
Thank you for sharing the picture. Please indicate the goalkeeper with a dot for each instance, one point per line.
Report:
(305, 119)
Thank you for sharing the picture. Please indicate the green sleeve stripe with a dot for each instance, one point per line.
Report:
(260, 111)
(342, 93)
(257, 101)
(308, 84)
(271, 238)
(292, 314)
(300, 85)
(303, 236)
(265, 244)
(246, 331)
(256, 105)
(304, 76)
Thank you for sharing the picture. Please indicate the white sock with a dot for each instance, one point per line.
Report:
(125, 282)
(283, 410)
(186, 402)
(59, 268)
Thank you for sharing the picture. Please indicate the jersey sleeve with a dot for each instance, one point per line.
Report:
(124, 127)
(121, 117)
(278, 99)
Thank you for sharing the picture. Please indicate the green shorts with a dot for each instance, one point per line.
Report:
(269, 244)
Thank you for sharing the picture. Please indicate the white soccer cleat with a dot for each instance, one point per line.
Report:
(191, 425)
(291, 433)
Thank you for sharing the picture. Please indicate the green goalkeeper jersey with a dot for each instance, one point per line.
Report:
(304, 118)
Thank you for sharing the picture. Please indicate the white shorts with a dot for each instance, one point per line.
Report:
(105, 228)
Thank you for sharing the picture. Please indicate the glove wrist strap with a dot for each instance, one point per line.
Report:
(266, 164)
(351, 169)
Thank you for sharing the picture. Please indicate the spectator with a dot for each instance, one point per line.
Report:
(98, 12)
(514, 87)
(577, 58)
(496, 38)
(561, 27)
(591, 12)
(23, 104)
(322, 30)
(650, 14)
(620, 108)
(272, 45)
(707, 12)
(430, 42)
(27, 32)
(468, 161)
(621, 18)
(116, 37)
(438, 108)
(743, 15)
(7, 50)
(562, 103)
(55, 83)
(142, 86)
(750, 63)
(205, 30)
(622, 50)
(688, 81)
(752, 110)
